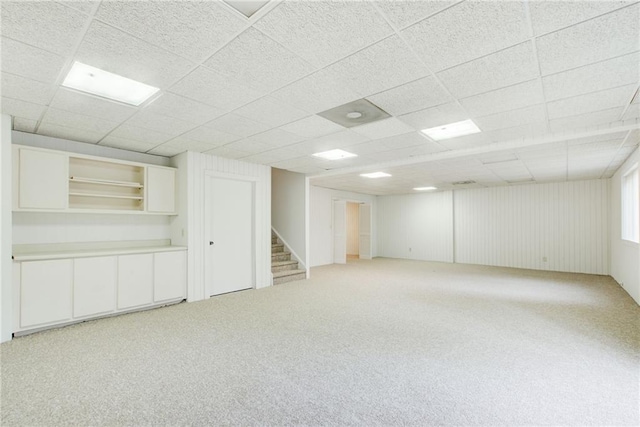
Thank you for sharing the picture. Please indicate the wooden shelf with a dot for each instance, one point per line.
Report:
(105, 182)
(106, 196)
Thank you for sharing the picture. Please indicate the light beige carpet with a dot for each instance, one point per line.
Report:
(382, 342)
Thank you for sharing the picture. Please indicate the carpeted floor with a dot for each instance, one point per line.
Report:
(382, 342)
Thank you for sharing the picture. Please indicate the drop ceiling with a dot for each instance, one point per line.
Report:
(550, 84)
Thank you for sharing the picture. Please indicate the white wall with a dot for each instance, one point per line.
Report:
(416, 226)
(6, 302)
(321, 222)
(192, 219)
(518, 226)
(625, 255)
(288, 210)
(353, 228)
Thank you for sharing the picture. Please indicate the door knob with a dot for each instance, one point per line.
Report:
(210, 243)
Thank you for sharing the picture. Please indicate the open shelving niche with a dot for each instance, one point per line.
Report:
(99, 185)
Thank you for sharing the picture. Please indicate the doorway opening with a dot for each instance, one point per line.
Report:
(353, 231)
(345, 231)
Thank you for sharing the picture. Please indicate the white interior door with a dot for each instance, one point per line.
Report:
(229, 215)
(365, 231)
(339, 232)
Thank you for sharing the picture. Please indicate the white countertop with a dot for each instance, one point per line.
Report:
(45, 252)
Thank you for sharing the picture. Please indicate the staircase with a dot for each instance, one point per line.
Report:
(284, 269)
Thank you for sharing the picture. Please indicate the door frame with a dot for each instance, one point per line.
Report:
(359, 202)
(206, 224)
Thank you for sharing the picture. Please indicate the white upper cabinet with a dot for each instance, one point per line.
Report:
(60, 181)
(42, 180)
(161, 184)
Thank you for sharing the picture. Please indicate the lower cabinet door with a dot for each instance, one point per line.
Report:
(45, 292)
(135, 280)
(94, 285)
(170, 275)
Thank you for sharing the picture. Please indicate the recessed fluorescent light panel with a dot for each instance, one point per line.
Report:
(452, 130)
(335, 154)
(375, 175)
(425, 188)
(102, 83)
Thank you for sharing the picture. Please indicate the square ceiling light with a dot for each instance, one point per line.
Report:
(336, 154)
(375, 175)
(247, 7)
(452, 130)
(354, 113)
(95, 81)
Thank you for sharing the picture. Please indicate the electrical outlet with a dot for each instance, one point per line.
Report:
(544, 259)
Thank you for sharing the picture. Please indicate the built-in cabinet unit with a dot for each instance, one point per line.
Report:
(84, 285)
(49, 180)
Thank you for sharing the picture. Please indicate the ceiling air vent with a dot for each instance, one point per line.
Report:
(355, 113)
(463, 182)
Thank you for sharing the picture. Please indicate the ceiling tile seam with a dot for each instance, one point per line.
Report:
(536, 57)
(490, 148)
(68, 62)
(624, 141)
(595, 92)
(587, 20)
(420, 60)
(591, 63)
(629, 102)
(426, 17)
(64, 3)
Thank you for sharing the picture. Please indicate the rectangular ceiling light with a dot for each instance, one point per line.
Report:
(425, 188)
(336, 154)
(102, 83)
(452, 130)
(375, 175)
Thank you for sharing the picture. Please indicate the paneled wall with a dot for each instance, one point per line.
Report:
(557, 226)
(416, 226)
(625, 255)
(6, 301)
(353, 228)
(191, 219)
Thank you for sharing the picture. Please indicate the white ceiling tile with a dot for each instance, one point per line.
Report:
(182, 108)
(84, 6)
(505, 99)
(73, 134)
(410, 97)
(308, 170)
(384, 65)
(596, 101)
(237, 125)
(633, 112)
(595, 146)
(228, 153)
(602, 38)
(17, 108)
(127, 144)
(505, 68)
(270, 112)
(24, 125)
(78, 121)
(255, 60)
(213, 89)
(112, 50)
(318, 92)
(44, 24)
(342, 140)
(18, 87)
(30, 62)
(133, 133)
(435, 116)
(164, 124)
(210, 136)
(467, 31)
(584, 121)
(265, 158)
(312, 127)
(383, 128)
(186, 144)
(193, 29)
(166, 151)
(467, 141)
(590, 78)
(618, 136)
(518, 132)
(89, 105)
(249, 146)
(403, 13)
(547, 16)
(336, 28)
(513, 118)
(276, 138)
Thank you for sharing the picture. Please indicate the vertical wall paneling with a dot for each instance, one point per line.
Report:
(416, 226)
(6, 299)
(197, 164)
(558, 226)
